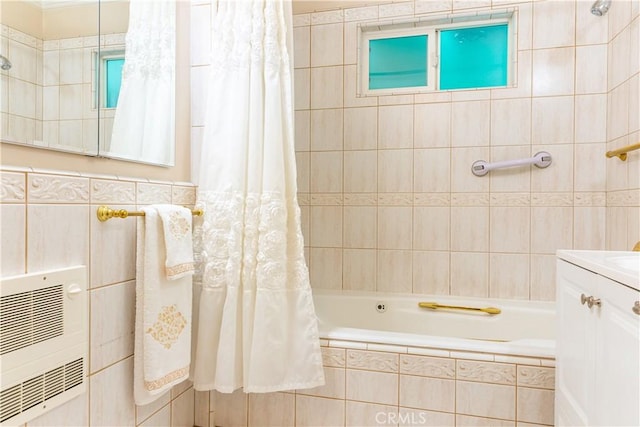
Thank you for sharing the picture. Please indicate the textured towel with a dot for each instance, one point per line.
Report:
(176, 223)
(163, 316)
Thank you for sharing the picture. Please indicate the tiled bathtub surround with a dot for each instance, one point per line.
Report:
(623, 126)
(389, 202)
(403, 386)
(48, 220)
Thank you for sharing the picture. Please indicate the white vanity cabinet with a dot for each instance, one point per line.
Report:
(598, 339)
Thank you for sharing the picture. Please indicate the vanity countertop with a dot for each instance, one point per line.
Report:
(621, 266)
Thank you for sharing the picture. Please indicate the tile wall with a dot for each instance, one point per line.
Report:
(47, 221)
(623, 125)
(49, 95)
(369, 385)
(389, 202)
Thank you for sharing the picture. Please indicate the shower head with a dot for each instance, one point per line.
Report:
(600, 7)
(5, 64)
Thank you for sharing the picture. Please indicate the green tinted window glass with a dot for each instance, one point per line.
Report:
(473, 57)
(113, 79)
(398, 62)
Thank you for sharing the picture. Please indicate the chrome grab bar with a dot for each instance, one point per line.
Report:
(436, 306)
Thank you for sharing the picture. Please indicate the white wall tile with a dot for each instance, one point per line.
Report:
(432, 125)
(591, 69)
(373, 387)
(553, 24)
(431, 272)
(162, 418)
(427, 393)
(326, 44)
(111, 396)
(314, 411)
(431, 228)
(469, 229)
(109, 266)
(302, 47)
(359, 270)
(509, 276)
(326, 172)
(271, 409)
(485, 400)
(326, 87)
(553, 71)
(470, 124)
(395, 227)
(360, 227)
(395, 171)
(112, 324)
(60, 246)
(511, 121)
(535, 405)
(552, 120)
(334, 385)
(360, 171)
(551, 229)
(509, 229)
(395, 126)
(325, 270)
(469, 274)
(590, 29)
(360, 128)
(230, 409)
(302, 84)
(13, 229)
(395, 271)
(432, 170)
(590, 117)
(182, 413)
(326, 130)
(365, 414)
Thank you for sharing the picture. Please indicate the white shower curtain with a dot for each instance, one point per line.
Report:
(143, 126)
(256, 326)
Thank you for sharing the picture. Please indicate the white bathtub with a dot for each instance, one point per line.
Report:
(523, 328)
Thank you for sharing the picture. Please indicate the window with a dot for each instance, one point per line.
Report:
(429, 56)
(113, 77)
(110, 64)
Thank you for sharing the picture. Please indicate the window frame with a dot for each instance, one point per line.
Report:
(432, 28)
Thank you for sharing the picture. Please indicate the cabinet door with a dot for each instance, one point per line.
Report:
(574, 346)
(617, 387)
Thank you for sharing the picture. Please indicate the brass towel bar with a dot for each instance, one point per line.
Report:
(105, 212)
(621, 153)
(435, 306)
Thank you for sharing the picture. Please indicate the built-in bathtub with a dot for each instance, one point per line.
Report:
(391, 362)
(523, 328)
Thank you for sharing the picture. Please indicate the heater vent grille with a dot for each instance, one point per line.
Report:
(31, 317)
(39, 389)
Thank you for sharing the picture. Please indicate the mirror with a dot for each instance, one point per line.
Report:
(46, 80)
(137, 84)
(60, 89)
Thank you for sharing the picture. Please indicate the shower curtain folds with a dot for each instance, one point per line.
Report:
(255, 324)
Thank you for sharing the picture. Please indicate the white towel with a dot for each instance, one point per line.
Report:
(176, 223)
(163, 316)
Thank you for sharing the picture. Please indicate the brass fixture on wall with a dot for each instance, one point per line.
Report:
(621, 153)
(636, 247)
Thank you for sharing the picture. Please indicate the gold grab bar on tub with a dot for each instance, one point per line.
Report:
(105, 213)
(621, 153)
(436, 306)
